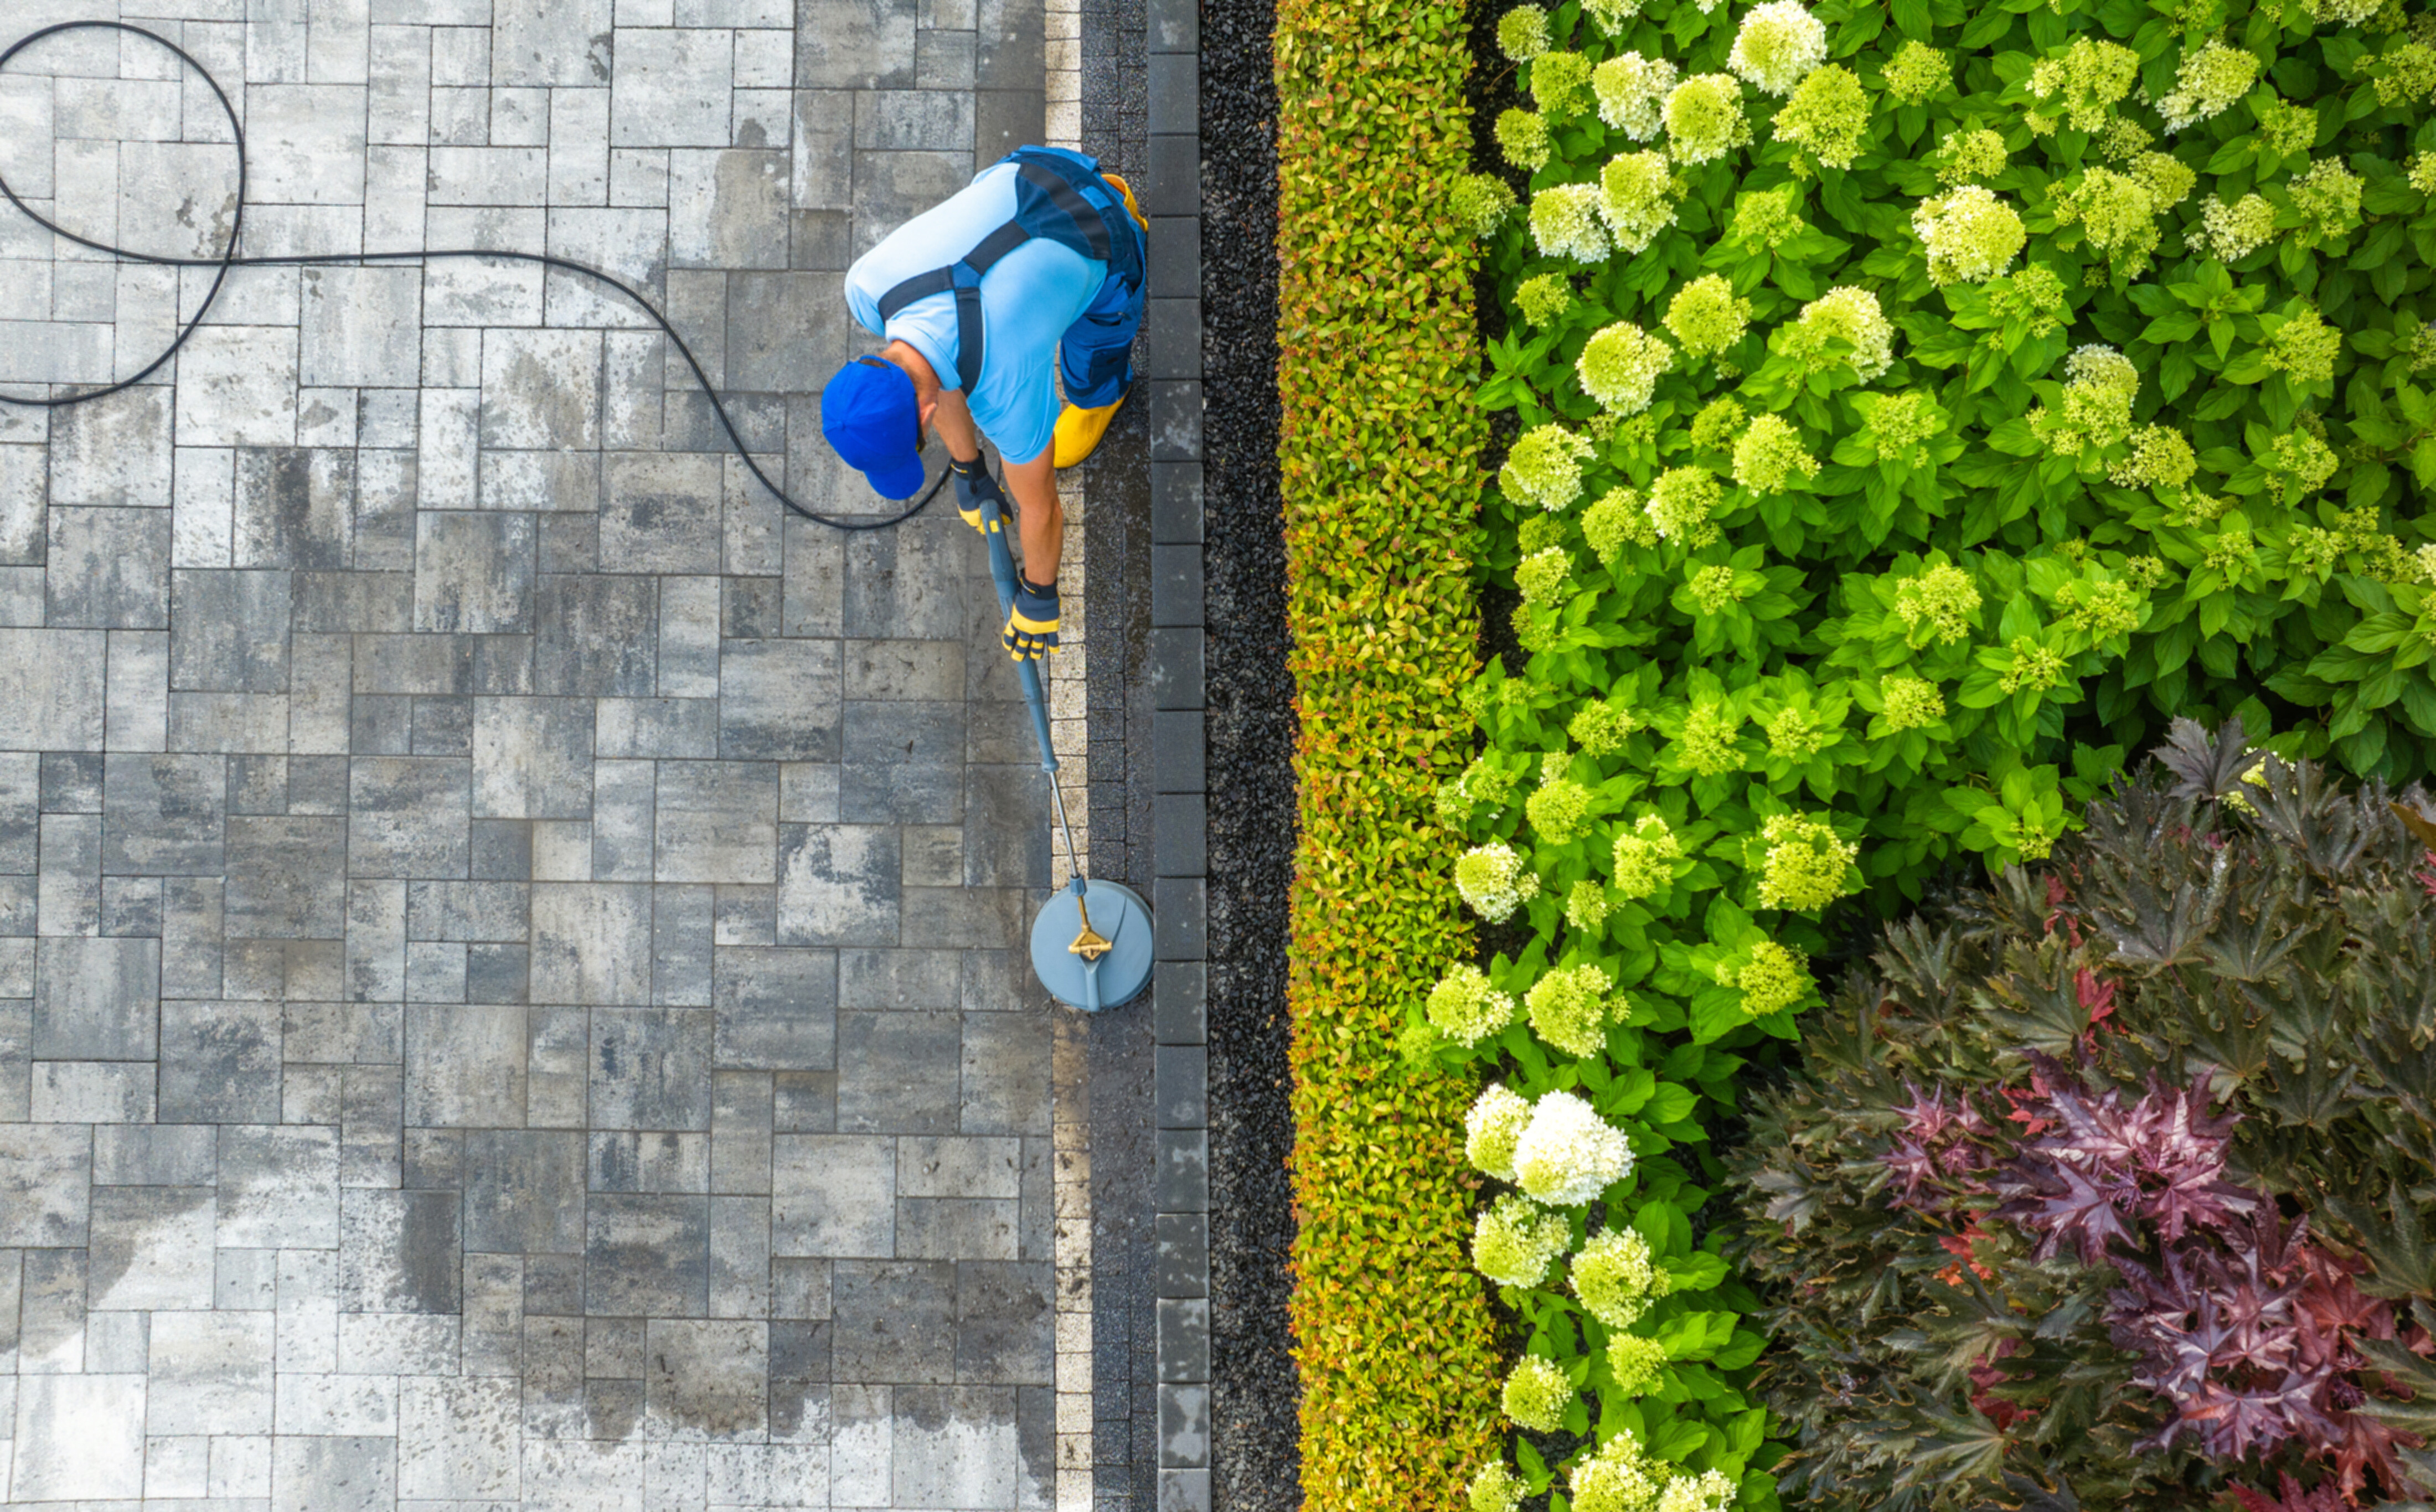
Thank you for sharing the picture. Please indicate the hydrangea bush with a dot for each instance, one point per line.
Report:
(1919, 405)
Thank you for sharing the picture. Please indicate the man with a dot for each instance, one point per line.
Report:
(1035, 266)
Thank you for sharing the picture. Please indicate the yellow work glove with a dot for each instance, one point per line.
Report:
(974, 485)
(1032, 625)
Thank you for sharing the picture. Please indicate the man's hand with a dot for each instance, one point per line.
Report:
(974, 486)
(1032, 625)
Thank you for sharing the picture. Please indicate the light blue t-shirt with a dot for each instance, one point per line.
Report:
(1029, 298)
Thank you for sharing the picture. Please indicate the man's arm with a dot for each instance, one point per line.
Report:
(1042, 517)
(953, 420)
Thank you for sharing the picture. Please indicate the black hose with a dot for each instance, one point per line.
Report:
(228, 259)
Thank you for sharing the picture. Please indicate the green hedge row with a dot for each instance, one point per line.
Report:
(1919, 402)
(1380, 463)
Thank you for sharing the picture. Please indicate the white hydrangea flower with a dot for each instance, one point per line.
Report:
(1971, 234)
(1852, 313)
(2102, 366)
(1778, 44)
(1709, 1491)
(2208, 84)
(1466, 1008)
(1515, 1241)
(1615, 1478)
(1565, 223)
(1568, 1154)
(2234, 231)
(1492, 1128)
(1632, 92)
(2099, 387)
(1704, 117)
(1620, 365)
(1637, 193)
(1494, 881)
(1494, 1489)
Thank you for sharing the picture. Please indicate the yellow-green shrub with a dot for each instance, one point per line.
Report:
(1379, 459)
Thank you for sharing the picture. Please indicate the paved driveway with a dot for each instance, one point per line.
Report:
(506, 976)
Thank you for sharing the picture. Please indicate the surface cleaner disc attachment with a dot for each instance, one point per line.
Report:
(1093, 949)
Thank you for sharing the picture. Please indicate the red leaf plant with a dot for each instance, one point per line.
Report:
(2242, 1323)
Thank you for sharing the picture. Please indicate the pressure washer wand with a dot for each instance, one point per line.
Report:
(1027, 669)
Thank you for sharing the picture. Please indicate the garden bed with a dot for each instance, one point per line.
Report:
(1914, 409)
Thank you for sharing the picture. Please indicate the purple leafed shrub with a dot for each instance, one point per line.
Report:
(2112, 1187)
(2239, 1321)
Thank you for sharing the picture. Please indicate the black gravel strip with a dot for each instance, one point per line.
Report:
(1257, 1447)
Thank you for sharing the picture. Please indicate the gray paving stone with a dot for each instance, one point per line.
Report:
(115, 452)
(95, 999)
(362, 326)
(464, 1065)
(408, 816)
(775, 1009)
(457, 1439)
(888, 1081)
(229, 631)
(532, 759)
(709, 1381)
(785, 332)
(843, 45)
(591, 942)
(646, 1255)
(671, 88)
(541, 390)
(108, 568)
(524, 1192)
(293, 506)
(45, 1197)
(398, 1251)
(680, 945)
(894, 1322)
(833, 1196)
(899, 979)
(285, 878)
(474, 573)
(278, 1188)
(51, 690)
(79, 1435)
(154, 1155)
(727, 209)
(837, 883)
(219, 1062)
(934, 855)
(650, 1069)
(779, 700)
(1006, 1072)
(595, 637)
(661, 513)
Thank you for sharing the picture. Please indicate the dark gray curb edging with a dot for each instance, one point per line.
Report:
(1172, 198)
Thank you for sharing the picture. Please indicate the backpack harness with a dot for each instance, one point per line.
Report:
(1058, 196)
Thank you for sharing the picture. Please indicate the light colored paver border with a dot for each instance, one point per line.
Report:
(1069, 737)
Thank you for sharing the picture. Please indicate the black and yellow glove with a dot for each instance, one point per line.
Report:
(1032, 625)
(974, 485)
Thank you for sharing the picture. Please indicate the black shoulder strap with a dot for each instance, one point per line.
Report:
(1090, 231)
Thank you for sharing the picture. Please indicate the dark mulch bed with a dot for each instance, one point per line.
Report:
(1251, 776)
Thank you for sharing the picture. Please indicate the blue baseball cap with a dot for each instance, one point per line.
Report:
(868, 413)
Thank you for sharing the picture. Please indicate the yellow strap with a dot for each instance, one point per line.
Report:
(1132, 207)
